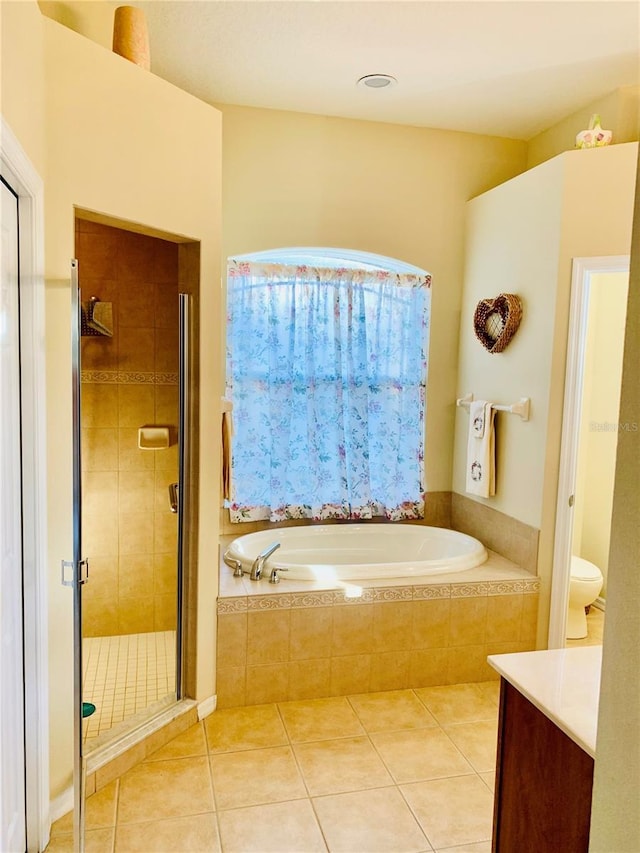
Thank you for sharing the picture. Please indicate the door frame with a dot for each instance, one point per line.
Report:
(581, 273)
(25, 180)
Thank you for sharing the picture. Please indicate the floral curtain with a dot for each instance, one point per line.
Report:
(326, 369)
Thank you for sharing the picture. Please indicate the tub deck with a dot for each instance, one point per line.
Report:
(496, 576)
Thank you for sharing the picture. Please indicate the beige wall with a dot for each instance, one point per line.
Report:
(615, 818)
(94, 20)
(522, 237)
(113, 144)
(619, 112)
(22, 106)
(513, 240)
(302, 180)
(599, 418)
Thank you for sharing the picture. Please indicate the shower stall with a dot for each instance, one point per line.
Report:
(133, 424)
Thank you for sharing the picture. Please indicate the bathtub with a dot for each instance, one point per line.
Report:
(360, 551)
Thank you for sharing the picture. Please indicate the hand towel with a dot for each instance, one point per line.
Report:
(101, 318)
(481, 452)
(227, 432)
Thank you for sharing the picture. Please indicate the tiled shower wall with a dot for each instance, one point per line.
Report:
(129, 380)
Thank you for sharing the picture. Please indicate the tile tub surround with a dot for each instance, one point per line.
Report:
(404, 770)
(501, 533)
(303, 640)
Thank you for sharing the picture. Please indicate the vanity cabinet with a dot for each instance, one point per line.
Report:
(546, 744)
(543, 783)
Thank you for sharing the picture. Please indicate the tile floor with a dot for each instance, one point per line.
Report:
(595, 627)
(405, 770)
(123, 675)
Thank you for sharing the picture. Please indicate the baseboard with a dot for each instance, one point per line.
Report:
(62, 804)
(600, 603)
(207, 706)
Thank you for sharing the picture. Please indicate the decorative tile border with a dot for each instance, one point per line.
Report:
(393, 593)
(366, 596)
(102, 377)
(232, 605)
(373, 595)
(469, 590)
(268, 602)
(166, 378)
(436, 590)
(312, 599)
(127, 377)
(505, 587)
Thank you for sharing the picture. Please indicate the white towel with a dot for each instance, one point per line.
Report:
(481, 451)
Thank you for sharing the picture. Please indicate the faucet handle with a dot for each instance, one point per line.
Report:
(237, 570)
(275, 578)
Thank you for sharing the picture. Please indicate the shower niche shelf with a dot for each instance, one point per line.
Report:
(153, 438)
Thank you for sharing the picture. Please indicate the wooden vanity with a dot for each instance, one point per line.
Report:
(546, 748)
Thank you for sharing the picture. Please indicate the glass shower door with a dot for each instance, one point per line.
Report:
(75, 572)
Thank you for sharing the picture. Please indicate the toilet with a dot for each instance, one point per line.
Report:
(584, 588)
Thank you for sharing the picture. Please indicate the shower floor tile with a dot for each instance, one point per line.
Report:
(123, 675)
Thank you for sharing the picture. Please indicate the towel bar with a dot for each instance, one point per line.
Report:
(520, 408)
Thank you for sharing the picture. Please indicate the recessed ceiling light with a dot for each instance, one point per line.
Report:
(377, 81)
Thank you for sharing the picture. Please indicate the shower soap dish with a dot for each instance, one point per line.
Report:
(153, 437)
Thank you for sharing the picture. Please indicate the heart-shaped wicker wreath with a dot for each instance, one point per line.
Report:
(496, 321)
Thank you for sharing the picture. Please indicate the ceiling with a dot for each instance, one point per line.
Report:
(505, 68)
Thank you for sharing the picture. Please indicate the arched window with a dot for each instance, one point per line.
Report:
(326, 368)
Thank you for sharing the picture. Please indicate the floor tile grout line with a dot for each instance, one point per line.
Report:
(368, 790)
(165, 817)
(214, 799)
(116, 807)
(291, 744)
(425, 728)
(457, 748)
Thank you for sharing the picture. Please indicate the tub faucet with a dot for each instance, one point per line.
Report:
(260, 560)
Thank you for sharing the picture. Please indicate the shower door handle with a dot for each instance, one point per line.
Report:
(77, 575)
(173, 496)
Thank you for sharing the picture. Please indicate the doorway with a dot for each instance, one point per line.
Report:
(129, 357)
(24, 591)
(12, 747)
(589, 435)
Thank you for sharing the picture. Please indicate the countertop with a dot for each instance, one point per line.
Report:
(562, 683)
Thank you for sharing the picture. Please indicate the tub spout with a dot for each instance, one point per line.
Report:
(260, 560)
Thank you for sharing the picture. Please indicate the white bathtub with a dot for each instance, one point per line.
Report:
(360, 551)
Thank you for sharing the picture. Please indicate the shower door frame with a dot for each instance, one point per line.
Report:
(75, 565)
(184, 458)
(25, 180)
